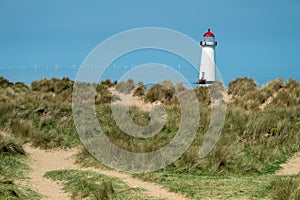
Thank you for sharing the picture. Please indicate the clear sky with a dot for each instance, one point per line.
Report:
(259, 39)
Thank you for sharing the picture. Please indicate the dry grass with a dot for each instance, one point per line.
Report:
(285, 188)
(254, 142)
(276, 93)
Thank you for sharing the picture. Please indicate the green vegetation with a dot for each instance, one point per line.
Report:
(246, 94)
(228, 187)
(216, 187)
(134, 144)
(12, 170)
(261, 131)
(92, 185)
(161, 92)
(253, 142)
(241, 86)
(46, 126)
(285, 188)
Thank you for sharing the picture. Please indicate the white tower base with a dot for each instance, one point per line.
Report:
(208, 64)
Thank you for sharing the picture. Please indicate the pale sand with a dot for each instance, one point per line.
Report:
(42, 161)
(291, 167)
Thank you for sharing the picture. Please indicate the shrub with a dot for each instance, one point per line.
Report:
(125, 87)
(287, 96)
(4, 83)
(160, 92)
(272, 87)
(241, 86)
(140, 91)
(108, 83)
(292, 84)
(63, 85)
(43, 85)
(21, 85)
(62, 88)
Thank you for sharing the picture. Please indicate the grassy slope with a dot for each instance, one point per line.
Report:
(253, 142)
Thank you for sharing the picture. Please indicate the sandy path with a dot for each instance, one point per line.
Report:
(291, 167)
(129, 99)
(42, 161)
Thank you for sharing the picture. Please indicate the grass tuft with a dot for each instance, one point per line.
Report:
(285, 188)
(91, 185)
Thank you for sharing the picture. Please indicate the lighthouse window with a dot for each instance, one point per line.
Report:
(208, 39)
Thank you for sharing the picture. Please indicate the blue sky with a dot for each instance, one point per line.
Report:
(259, 39)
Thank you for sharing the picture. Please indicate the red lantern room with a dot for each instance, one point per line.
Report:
(208, 39)
(208, 34)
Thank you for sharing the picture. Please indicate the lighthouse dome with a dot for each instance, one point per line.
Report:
(208, 39)
(208, 34)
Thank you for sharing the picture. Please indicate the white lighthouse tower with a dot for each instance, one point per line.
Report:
(207, 73)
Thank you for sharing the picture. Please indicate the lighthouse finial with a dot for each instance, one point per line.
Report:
(208, 34)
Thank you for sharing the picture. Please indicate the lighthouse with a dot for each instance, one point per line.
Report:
(207, 73)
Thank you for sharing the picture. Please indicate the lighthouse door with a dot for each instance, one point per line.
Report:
(203, 75)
